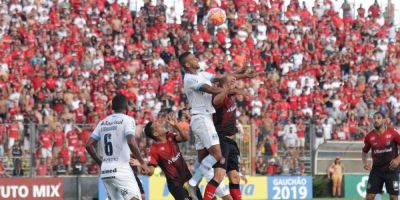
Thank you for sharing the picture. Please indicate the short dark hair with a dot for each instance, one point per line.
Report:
(383, 115)
(119, 102)
(148, 130)
(182, 58)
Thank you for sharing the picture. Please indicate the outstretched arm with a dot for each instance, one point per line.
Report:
(210, 89)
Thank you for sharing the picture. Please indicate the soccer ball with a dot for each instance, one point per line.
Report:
(216, 16)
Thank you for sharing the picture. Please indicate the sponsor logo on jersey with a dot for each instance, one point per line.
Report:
(108, 128)
(232, 108)
(112, 159)
(109, 171)
(107, 123)
(379, 151)
(175, 158)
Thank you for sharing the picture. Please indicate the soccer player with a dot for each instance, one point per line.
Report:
(225, 124)
(116, 135)
(199, 90)
(165, 152)
(383, 141)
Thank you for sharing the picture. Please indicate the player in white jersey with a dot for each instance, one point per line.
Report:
(116, 135)
(199, 90)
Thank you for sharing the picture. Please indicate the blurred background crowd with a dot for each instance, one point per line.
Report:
(61, 61)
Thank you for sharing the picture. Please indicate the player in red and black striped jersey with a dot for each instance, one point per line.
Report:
(225, 124)
(382, 142)
(164, 152)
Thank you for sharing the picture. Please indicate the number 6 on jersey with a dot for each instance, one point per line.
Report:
(108, 148)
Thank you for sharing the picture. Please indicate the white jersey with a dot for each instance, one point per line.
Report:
(112, 134)
(201, 102)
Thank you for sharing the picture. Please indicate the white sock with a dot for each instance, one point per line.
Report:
(205, 165)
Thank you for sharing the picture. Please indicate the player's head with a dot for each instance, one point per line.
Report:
(188, 61)
(379, 120)
(155, 129)
(119, 103)
(228, 81)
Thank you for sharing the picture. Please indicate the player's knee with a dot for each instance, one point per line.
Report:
(370, 197)
(234, 178)
(218, 156)
(219, 175)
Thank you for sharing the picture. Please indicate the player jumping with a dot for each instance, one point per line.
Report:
(116, 134)
(199, 90)
(225, 124)
(383, 141)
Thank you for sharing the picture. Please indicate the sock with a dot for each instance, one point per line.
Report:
(205, 165)
(210, 190)
(234, 189)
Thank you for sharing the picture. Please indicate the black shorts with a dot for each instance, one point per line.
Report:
(139, 184)
(230, 151)
(179, 193)
(377, 178)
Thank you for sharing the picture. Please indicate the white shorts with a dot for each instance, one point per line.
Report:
(46, 153)
(121, 184)
(301, 142)
(222, 189)
(204, 131)
(11, 142)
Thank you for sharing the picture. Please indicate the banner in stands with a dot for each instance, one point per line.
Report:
(27, 188)
(289, 187)
(255, 189)
(156, 188)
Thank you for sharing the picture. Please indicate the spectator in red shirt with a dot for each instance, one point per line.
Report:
(72, 138)
(3, 137)
(59, 139)
(46, 144)
(13, 133)
(80, 153)
(93, 168)
(42, 168)
(65, 154)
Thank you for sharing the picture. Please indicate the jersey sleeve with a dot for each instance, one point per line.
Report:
(208, 76)
(96, 133)
(396, 135)
(130, 126)
(193, 82)
(367, 144)
(153, 158)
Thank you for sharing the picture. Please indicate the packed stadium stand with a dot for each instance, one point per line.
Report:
(328, 69)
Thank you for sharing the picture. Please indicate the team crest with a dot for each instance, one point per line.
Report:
(162, 149)
(388, 136)
(372, 138)
(396, 185)
(124, 192)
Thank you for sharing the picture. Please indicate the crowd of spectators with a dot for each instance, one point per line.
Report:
(61, 61)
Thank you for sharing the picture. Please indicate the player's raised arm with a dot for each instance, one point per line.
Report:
(210, 89)
(218, 99)
(182, 136)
